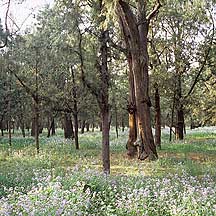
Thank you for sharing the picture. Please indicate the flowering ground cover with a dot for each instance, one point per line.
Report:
(63, 181)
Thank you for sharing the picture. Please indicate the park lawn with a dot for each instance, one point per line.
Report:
(185, 171)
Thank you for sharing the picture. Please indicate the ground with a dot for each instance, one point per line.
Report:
(64, 181)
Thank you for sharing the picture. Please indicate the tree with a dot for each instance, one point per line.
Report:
(136, 31)
(184, 55)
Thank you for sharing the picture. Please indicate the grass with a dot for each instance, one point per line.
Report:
(20, 165)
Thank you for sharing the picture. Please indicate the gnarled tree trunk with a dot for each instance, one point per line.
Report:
(137, 37)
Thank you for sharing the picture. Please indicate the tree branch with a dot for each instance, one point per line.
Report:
(154, 11)
(6, 26)
(118, 47)
(28, 90)
(203, 65)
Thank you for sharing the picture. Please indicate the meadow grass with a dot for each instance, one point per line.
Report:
(22, 171)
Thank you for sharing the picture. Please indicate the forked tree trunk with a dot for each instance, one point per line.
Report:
(138, 31)
(130, 146)
(157, 118)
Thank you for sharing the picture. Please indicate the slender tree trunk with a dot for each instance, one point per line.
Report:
(52, 126)
(76, 127)
(9, 133)
(75, 109)
(36, 125)
(180, 113)
(105, 140)
(116, 120)
(157, 118)
(100, 126)
(180, 124)
(172, 117)
(102, 93)
(104, 101)
(48, 127)
(93, 126)
(122, 124)
(9, 112)
(87, 126)
(83, 126)
(23, 128)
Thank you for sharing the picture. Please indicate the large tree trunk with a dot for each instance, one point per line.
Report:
(157, 118)
(138, 30)
(130, 146)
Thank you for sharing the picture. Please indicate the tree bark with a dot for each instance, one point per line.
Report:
(104, 100)
(138, 31)
(130, 146)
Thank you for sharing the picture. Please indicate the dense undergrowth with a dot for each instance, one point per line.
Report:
(64, 181)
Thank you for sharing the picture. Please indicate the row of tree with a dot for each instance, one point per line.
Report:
(94, 62)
